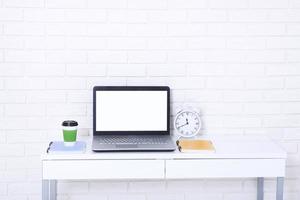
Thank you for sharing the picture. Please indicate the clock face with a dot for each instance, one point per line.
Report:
(187, 123)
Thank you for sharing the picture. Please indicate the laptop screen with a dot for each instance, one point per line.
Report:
(131, 110)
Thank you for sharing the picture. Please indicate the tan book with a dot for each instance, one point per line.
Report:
(185, 145)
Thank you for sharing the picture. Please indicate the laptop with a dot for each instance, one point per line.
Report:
(131, 118)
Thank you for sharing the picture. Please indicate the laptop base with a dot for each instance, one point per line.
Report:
(105, 144)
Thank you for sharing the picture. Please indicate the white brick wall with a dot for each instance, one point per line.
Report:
(236, 60)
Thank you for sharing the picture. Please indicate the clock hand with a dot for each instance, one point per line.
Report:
(187, 121)
(182, 125)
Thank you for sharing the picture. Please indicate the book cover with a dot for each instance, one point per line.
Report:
(195, 146)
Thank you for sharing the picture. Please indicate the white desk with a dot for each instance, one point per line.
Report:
(235, 157)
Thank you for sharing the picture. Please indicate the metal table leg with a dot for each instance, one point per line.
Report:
(260, 188)
(48, 189)
(45, 189)
(279, 188)
(52, 189)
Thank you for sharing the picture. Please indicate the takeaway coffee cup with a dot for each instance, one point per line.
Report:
(69, 132)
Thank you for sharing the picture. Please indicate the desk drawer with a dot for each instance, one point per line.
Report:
(224, 168)
(103, 169)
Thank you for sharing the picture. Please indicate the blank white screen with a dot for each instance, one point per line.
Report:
(131, 110)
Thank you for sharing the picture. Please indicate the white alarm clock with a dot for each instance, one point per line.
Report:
(187, 123)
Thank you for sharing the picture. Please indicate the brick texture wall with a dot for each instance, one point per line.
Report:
(236, 60)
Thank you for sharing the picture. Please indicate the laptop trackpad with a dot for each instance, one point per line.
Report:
(126, 145)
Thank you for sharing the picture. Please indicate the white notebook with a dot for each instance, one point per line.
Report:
(58, 147)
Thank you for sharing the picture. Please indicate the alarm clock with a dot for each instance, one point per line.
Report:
(187, 123)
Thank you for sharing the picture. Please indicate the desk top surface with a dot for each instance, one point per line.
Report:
(227, 147)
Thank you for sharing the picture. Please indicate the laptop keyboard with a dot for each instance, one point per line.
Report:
(133, 140)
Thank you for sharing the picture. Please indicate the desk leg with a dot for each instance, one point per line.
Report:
(45, 189)
(48, 189)
(260, 188)
(279, 188)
